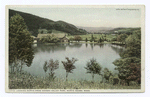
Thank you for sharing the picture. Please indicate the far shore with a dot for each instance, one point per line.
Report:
(105, 42)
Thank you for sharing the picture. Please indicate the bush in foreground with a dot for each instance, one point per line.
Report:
(27, 81)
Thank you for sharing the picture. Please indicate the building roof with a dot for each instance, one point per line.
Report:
(60, 35)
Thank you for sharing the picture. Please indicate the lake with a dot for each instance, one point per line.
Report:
(105, 54)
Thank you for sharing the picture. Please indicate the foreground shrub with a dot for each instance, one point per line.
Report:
(51, 66)
(69, 65)
(93, 67)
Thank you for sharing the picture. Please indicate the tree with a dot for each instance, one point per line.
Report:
(86, 40)
(93, 67)
(107, 74)
(114, 39)
(20, 41)
(129, 65)
(121, 38)
(42, 32)
(49, 39)
(69, 66)
(135, 74)
(133, 46)
(51, 65)
(100, 40)
(77, 38)
(71, 39)
(92, 38)
(54, 39)
(129, 69)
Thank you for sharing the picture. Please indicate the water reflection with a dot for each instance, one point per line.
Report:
(86, 45)
(75, 45)
(92, 45)
(55, 47)
(105, 54)
(117, 49)
(49, 48)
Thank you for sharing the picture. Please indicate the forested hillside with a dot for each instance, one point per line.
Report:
(35, 22)
(124, 30)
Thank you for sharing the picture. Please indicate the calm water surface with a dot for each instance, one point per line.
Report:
(105, 54)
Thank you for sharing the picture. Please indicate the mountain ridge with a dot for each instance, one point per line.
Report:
(34, 23)
(96, 29)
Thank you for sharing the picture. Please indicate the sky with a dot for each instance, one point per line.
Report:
(89, 17)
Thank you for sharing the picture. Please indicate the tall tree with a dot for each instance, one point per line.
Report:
(77, 38)
(93, 67)
(20, 40)
(100, 40)
(86, 39)
(92, 38)
(69, 66)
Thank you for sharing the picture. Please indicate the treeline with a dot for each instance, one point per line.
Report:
(91, 39)
(129, 65)
(127, 31)
(20, 41)
(49, 39)
(34, 23)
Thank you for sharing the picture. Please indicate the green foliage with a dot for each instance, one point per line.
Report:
(27, 81)
(49, 39)
(122, 37)
(96, 36)
(100, 40)
(127, 31)
(86, 39)
(51, 65)
(82, 30)
(20, 40)
(77, 38)
(133, 46)
(71, 39)
(129, 66)
(107, 73)
(69, 65)
(93, 67)
(126, 68)
(114, 39)
(92, 38)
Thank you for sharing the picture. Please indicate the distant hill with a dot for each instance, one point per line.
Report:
(35, 22)
(124, 30)
(96, 29)
(118, 30)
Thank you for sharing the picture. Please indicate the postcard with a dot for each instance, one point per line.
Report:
(75, 48)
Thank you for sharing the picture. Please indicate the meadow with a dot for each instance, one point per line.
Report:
(28, 81)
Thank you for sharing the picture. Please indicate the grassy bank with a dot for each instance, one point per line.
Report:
(27, 81)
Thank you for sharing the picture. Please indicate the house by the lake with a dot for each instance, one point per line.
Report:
(61, 36)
